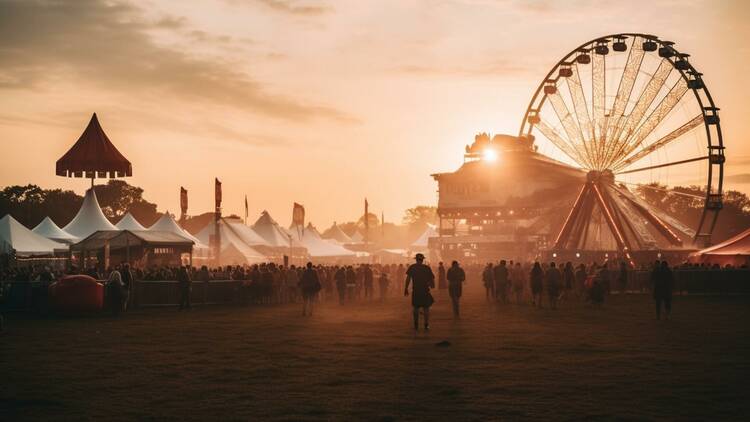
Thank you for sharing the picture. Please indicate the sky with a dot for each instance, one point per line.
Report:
(320, 102)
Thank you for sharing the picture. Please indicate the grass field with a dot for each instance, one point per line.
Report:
(366, 363)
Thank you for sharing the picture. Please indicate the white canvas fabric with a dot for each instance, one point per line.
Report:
(234, 250)
(421, 242)
(270, 230)
(338, 235)
(167, 224)
(14, 236)
(52, 231)
(89, 219)
(316, 246)
(128, 222)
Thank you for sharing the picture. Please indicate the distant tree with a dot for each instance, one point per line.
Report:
(372, 219)
(686, 204)
(117, 197)
(30, 204)
(420, 216)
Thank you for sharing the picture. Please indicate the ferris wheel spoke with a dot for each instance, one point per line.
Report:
(658, 144)
(570, 126)
(580, 107)
(560, 143)
(667, 104)
(658, 166)
(625, 88)
(644, 101)
(598, 91)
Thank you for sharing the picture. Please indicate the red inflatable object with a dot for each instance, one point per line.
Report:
(77, 293)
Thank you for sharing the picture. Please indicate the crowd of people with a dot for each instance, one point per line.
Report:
(505, 282)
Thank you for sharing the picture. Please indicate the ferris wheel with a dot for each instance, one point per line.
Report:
(634, 113)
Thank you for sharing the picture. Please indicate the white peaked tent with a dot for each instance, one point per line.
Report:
(128, 222)
(422, 241)
(338, 235)
(357, 237)
(167, 224)
(50, 230)
(318, 247)
(270, 230)
(14, 236)
(244, 232)
(234, 250)
(89, 219)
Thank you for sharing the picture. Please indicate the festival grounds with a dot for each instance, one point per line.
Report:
(364, 362)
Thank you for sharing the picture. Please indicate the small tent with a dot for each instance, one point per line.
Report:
(317, 247)
(128, 222)
(337, 234)
(89, 219)
(167, 224)
(16, 238)
(52, 231)
(234, 250)
(270, 230)
(734, 251)
(422, 242)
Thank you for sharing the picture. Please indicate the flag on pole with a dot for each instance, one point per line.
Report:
(246, 211)
(217, 192)
(183, 200)
(367, 221)
(298, 215)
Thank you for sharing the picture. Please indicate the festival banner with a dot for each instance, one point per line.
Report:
(298, 215)
(217, 192)
(183, 200)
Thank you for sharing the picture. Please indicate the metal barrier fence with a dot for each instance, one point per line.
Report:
(25, 295)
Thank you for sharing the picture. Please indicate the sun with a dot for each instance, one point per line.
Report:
(489, 154)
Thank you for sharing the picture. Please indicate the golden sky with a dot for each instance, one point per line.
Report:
(318, 102)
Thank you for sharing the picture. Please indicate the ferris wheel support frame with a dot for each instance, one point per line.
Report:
(711, 121)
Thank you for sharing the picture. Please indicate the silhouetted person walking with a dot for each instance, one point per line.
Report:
(501, 281)
(488, 278)
(185, 283)
(369, 281)
(663, 284)
(536, 277)
(114, 291)
(309, 285)
(456, 277)
(340, 277)
(554, 278)
(442, 285)
(423, 280)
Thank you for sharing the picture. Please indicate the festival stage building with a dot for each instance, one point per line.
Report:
(506, 200)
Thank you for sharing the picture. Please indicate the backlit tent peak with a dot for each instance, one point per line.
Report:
(93, 155)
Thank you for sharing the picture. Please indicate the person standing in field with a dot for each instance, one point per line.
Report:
(536, 277)
(127, 284)
(501, 281)
(340, 277)
(456, 277)
(423, 280)
(441, 277)
(115, 291)
(185, 284)
(488, 278)
(662, 281)
(383, 284)
(553, 278)
(309, 285)
(369, 281)
(518, 280)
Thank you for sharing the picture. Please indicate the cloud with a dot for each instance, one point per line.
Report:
(294, 8)
(108, 45)
(497, 68)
